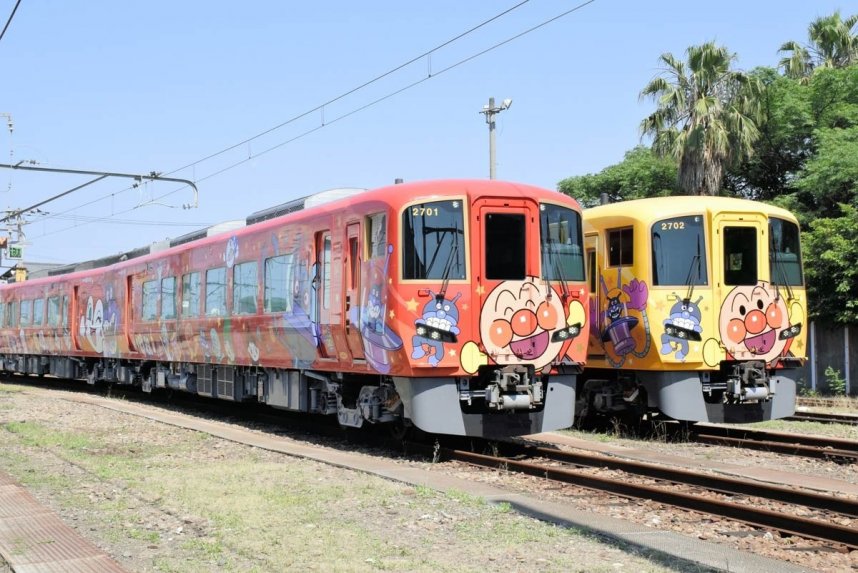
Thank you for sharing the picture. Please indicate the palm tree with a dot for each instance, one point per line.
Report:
(706, 115)
(832, 45)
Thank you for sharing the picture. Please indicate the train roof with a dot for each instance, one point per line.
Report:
(657, 208)
(393, 196)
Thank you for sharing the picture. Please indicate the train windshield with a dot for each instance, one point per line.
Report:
(679, 252)
(561, 243)
(784, 253)
(433, 237)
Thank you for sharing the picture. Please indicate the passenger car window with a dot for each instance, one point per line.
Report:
(216, 292)
(150, 300)
(244, 288)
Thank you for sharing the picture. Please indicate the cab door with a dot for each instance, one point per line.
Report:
(507, 253)
(738, 263)
(594, 269)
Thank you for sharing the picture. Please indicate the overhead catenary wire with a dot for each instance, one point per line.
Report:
(327, 122)
(9, 21)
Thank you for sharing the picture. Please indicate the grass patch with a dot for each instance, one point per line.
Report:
(36, 435)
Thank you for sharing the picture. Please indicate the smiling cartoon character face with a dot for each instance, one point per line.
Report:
(516, 323)
(752, 319)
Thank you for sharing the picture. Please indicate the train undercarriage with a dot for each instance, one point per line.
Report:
(499, 401)
(736, 393)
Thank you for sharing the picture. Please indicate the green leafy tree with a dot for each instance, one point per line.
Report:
(831, 254)
(640, 174)
(785, 142)
(705, 117)
(832, 43)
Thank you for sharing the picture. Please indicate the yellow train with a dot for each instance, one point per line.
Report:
(697, 310)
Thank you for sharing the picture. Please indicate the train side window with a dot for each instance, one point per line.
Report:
(278, 277)
(216, 292)
(325, 270)
(505, 248)
(168, 298)
(65, 312)
(38, 312)
(12, 314)
(354, 262)
(376, 227)
(621, 247)
(54, 311)
(740, 256)
(26, 312)
(2, 314)
(191, 294)
(784, 253)
(244, 288)
(150, 300)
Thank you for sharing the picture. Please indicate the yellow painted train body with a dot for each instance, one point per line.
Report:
(697, 310)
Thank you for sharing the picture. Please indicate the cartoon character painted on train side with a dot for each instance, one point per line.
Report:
(680, 326)
(755, 323)
(379, 340)
(523, 322)
(624, 309)
(439, 320)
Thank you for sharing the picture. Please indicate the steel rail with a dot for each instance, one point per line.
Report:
(797, 444)
(824, 418)
(723, 484)
(846, 537)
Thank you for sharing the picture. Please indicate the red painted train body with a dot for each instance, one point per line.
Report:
(456, 306)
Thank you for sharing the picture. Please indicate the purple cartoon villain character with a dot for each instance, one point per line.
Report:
(616, 322)
(682, 325)
(440, 319)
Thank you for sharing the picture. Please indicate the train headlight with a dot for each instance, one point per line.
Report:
(433, 333)
(790, 332)
(567, 333)
(682, 333)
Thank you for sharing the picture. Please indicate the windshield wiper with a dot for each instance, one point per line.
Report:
(448, 267)
(779, 267)
(554, 262)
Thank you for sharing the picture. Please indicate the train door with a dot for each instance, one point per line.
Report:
(506, 242)
(591, 247)
(324, 295)
(351, 302)
(75, 317)
(738, 263)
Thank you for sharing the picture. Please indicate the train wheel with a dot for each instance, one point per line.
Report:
(401, 429)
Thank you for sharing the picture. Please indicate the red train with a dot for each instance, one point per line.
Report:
(455, 306)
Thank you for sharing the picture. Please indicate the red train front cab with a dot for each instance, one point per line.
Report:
(487, 297)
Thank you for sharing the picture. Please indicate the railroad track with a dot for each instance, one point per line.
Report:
(824, 418)
(834, 449)
(822, 529)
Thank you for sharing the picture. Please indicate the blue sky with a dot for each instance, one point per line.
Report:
(136, 87)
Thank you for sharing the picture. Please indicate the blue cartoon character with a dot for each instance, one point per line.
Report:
(617, 323)
(682, 325)
(437, 325)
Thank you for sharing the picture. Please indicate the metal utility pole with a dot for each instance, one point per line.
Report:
(490, 111)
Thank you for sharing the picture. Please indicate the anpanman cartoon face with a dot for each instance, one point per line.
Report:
(752, 319)
(516, 323)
